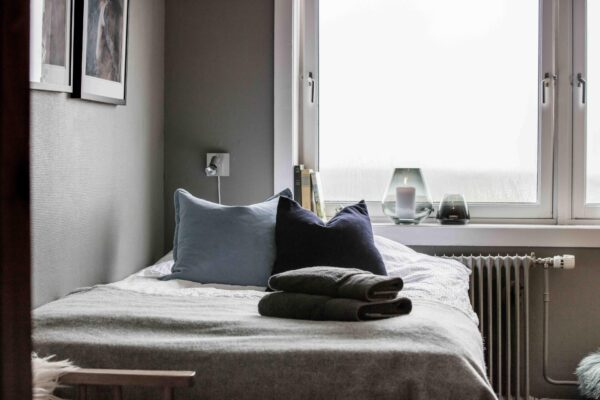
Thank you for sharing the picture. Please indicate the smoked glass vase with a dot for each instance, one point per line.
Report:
(407, 200)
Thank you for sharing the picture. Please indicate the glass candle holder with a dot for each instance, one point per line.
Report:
(407, 199)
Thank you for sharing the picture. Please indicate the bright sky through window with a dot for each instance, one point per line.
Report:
(448, 86)
(593, 103)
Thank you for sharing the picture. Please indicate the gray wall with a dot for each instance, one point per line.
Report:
(97, 172)
(219, 97)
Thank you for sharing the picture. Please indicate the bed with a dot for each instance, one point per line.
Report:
(436, 352)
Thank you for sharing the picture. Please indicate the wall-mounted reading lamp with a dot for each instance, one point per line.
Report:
(217, 164)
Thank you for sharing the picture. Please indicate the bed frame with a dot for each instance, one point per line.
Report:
(120, 378)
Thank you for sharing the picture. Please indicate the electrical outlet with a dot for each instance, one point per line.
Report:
(222, 163)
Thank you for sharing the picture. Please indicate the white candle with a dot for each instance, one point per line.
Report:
(405, 202)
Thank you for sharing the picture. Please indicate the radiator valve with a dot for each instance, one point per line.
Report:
(566, 261)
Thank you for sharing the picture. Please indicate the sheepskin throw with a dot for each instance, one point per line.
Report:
(588, 373)
(46, 374)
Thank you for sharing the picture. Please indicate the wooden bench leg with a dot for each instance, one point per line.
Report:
(82, 392)
(117, 393)
(168, 393)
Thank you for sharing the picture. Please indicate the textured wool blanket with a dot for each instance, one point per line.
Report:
(433, 353)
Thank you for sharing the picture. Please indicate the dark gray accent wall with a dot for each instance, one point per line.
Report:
(97, 173)
(574, 313)
(219, 97)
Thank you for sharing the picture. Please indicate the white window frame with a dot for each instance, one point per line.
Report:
(581, 209)
(296, 118)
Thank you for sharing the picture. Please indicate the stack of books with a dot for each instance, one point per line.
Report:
(308, 190)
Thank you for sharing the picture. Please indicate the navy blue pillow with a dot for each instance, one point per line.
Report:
(304, 240)
(284, 193)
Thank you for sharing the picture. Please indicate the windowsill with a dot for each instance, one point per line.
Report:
(491, 235)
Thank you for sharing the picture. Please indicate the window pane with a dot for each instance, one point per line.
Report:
(448, 86)
(593, 103)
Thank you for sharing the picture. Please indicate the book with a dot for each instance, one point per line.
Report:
(306, 191)
(317, 195)
(298, 183)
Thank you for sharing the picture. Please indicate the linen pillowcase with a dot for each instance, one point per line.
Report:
(285, 192)
(304, 240)
(223, 244)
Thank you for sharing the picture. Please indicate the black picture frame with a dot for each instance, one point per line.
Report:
(51, 45)
(97, 74)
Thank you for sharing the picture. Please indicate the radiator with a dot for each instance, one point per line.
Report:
(499, 292)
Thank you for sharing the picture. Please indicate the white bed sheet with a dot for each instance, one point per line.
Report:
(425, 278)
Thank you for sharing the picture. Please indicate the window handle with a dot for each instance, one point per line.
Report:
(311, 85)
(581, 82)
(545, 85)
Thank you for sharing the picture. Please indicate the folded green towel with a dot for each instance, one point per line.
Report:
(348, 283)
(324, 308)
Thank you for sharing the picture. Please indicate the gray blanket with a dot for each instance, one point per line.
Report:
(433, 353)
(348, 283)
(324, 308)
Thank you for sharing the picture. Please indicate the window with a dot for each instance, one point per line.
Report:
(593, 107)
(586, 110)
(451, 87)
(492, 99)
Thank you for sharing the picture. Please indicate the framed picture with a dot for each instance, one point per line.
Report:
(101, 50)
(50, 45)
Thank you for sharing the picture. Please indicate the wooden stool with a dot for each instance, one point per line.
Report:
(118, 378)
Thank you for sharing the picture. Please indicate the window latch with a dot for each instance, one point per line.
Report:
(311, 85)
(581, 82)
(545, 85)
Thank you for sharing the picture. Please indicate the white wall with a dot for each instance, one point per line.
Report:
(97, 172)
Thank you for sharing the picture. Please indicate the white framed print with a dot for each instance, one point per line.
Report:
(100, 73)
(50, 49)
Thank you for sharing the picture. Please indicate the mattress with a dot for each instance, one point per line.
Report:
(435, 352)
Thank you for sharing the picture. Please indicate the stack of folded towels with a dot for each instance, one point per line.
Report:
(335, 294)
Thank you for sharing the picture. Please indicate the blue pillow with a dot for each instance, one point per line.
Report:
(285, 192)
(304, 240)
(223, 244)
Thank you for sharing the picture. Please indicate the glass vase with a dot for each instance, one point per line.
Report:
(407, 199)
